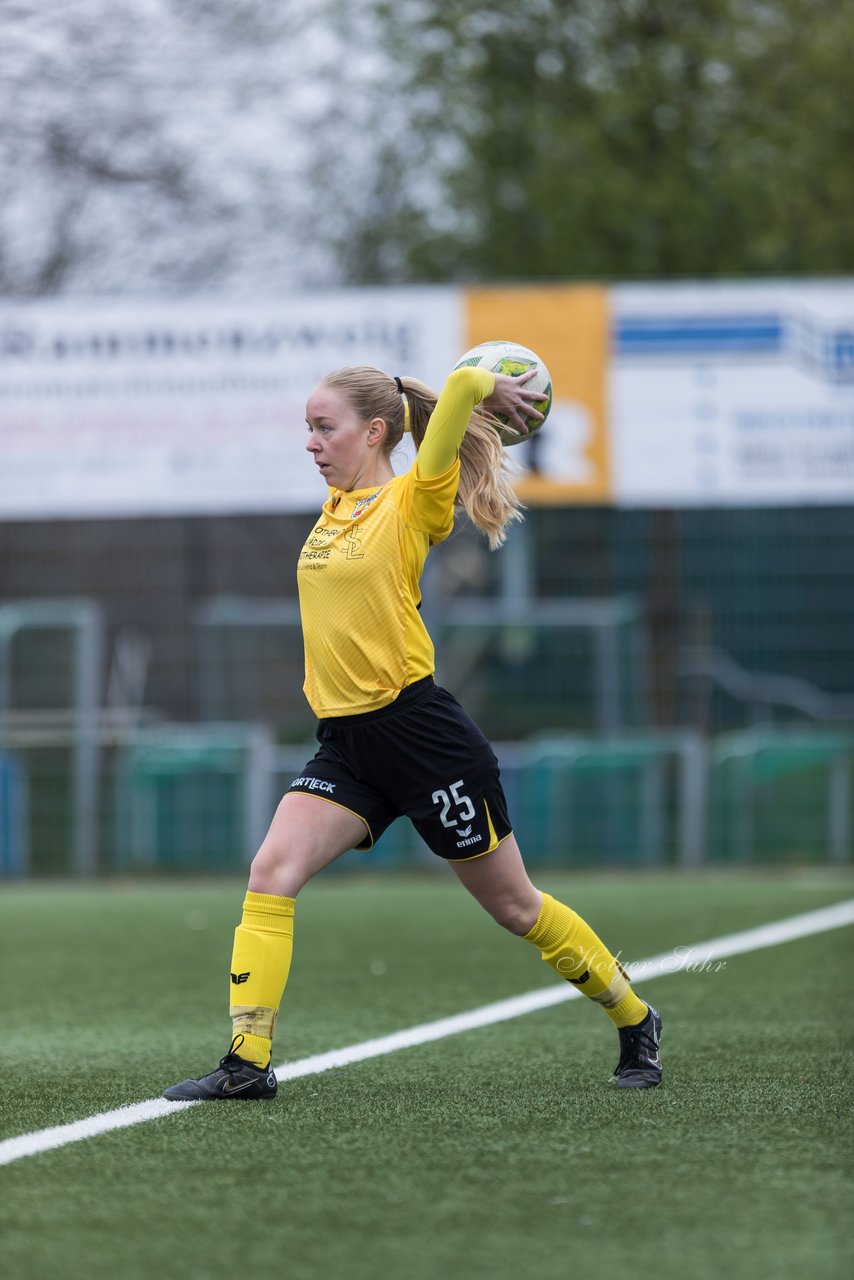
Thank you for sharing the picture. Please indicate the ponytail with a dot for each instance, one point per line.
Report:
(485, 491)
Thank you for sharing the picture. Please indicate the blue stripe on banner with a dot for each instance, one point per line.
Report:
(660, 335)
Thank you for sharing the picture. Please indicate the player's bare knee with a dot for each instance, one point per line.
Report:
(516, 917)
(279, 868)
(263, 870)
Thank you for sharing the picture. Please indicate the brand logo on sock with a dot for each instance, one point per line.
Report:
(237, 978)
(578, 982)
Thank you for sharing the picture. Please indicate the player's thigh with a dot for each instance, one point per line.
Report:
(306, 834)
(500, 883)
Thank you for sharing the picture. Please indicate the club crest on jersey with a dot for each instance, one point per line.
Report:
(363, 503)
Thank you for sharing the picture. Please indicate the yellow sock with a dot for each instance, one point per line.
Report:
(573, 950)
(263, 943)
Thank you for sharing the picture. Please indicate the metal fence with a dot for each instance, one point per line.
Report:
(675, 719)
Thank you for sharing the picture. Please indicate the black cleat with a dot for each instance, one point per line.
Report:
(640, 1060)
(234, 1078)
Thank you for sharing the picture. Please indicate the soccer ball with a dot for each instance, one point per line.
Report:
(512, 358)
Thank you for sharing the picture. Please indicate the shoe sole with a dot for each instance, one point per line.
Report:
(624, 1083)
(216, 1097)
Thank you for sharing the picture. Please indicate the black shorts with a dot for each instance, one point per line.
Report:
(421, 757)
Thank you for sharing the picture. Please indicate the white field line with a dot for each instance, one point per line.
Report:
(683, 958)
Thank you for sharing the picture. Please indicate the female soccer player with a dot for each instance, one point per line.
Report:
(391, 741)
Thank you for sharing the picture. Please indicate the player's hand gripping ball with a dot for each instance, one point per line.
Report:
(512, 358)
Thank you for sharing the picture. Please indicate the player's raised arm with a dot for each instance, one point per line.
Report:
(465, 390)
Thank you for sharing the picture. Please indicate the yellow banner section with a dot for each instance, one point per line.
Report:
(569, 328)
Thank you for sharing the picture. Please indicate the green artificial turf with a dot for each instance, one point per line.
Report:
(501, 1152)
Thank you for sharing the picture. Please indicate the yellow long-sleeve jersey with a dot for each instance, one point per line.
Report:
(358, 573)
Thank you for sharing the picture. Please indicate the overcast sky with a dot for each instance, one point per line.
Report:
(150, 147)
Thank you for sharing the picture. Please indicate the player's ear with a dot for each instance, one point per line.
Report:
(376, 430)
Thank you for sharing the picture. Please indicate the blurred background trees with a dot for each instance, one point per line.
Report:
(151, 147)
(649, 137)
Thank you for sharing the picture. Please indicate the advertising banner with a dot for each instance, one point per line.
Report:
(665, 395)
(569, 327)
(732, 394)
(188, 408)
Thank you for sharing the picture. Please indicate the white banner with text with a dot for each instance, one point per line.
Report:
(665, 395)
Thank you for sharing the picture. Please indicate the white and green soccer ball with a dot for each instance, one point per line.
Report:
(512, 358)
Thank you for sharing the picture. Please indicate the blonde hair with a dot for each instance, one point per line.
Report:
(485, 491)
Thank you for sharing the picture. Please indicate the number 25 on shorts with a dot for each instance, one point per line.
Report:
(466, 808)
